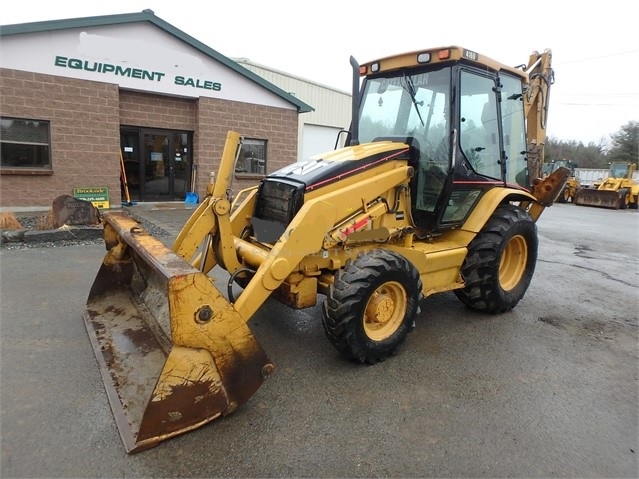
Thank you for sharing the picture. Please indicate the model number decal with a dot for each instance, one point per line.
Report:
(470, 55)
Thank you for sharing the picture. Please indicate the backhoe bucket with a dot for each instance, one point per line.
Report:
(601, 198)
(174, 354)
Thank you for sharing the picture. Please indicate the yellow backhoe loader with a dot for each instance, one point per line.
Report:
(618, 191)
(438, 190)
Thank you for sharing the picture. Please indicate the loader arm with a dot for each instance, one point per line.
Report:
(212, 216)
(200, 225)
(306, 234)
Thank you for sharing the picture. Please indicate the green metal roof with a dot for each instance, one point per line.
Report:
(149, 16)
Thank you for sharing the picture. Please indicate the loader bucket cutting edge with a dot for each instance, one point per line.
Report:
(173, 353)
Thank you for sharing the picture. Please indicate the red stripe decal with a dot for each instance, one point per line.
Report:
(351, 172)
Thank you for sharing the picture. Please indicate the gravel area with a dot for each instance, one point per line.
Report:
(67, 237)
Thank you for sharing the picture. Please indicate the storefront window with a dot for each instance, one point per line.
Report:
(252, 158)
(25, 144)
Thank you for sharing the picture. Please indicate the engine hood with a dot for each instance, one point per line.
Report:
(334, 165)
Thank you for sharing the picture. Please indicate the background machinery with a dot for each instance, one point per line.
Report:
(618, 191)
(572, 184)
(439, 190)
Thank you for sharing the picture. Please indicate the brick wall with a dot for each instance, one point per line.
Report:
(216, 117)
(85, 119)
(156, 111)
(85, 136)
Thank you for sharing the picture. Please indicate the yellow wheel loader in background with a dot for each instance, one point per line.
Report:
(572, 184)
(618, 191)
(439, 190)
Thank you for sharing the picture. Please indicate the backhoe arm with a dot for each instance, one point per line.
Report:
(536, 101)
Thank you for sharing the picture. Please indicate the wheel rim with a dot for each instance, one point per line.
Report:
(385, 311)
(513, 262)
(566, 195)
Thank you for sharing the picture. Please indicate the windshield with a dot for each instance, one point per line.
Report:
(618, 170)
(408, 105)
(413, 105)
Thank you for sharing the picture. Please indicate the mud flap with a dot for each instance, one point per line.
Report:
(174, 354)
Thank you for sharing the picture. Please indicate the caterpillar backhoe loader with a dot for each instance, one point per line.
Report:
(439, 189)
(618, 191)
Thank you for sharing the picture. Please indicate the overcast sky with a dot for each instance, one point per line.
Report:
(595, 47)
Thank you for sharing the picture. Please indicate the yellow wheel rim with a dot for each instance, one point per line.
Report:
(513, 263)
(566, 195)
(385, 311)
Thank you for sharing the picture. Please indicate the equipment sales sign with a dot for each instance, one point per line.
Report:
(139, 57)
(135, 73)
(99, 196)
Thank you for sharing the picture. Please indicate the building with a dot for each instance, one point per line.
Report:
(83, 99)
(319, 130)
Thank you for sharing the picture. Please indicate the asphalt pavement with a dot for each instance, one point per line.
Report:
(170, 216)
(549, 389)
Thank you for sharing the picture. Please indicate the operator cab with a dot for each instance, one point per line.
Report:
(463, 121)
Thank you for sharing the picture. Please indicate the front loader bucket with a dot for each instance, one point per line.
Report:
(601, 198)
(174, 354)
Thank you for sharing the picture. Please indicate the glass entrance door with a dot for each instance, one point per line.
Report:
(182, 165)
(157, 167)
(167, 165)
(130, 177)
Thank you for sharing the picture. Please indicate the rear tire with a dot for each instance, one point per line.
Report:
(372, 305)
(500, 262)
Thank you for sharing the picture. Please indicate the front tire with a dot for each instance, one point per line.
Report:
(624, 200)
(564, 196)
(500, 262)
(372, 305)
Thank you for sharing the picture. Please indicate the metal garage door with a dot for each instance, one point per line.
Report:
(318, 139)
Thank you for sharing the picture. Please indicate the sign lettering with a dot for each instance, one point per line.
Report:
(129, 72)
(98, 196)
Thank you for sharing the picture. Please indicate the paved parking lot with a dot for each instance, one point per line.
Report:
(547, 390)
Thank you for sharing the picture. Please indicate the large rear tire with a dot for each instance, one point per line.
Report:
(500, 262)
(372, 305)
